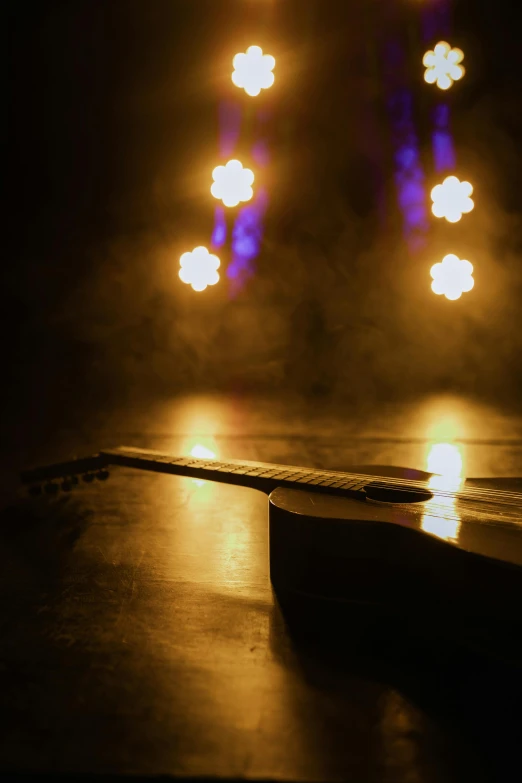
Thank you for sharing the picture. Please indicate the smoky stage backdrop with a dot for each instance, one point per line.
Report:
(119, 111)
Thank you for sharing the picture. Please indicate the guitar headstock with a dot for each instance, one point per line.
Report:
(65, 476)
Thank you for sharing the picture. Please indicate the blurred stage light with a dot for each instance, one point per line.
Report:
(232, 183)
(444, 459)
(444, 155)
(202, 452)
(199, 268)
(442, 65)
(219, 232)
(247, 236)
(410, 180)
(452, 199)
(253, 70)
(452, 277)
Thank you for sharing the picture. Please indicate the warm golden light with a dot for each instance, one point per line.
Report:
(442, 65)
(452, 199)
(199, 268)
(253, 70)
(440, 516)
(452, 277)
(445, 458)
(202, 452)
(232, 183)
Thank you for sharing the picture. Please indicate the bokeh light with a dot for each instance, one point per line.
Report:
(232, 183)
(444, 459)
(451, 199)
(452, 277)
(199, 268)
(253, 70)
(442, 65)
(201, 452)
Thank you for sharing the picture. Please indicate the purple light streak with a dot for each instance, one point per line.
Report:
(247, 236)
(444, 155)
(409, 174)
(247, 232)
(219, 232)
(436, 20)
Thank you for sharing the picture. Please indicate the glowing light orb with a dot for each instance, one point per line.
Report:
(202, 452)
(253, 70)
(452, 277)
(452, 199)
(443, 458)
(199, 268)
(232, 183)
(442, 65)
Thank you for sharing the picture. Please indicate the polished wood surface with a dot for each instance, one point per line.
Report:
(480, 520)
(427, 567)
(140, 634)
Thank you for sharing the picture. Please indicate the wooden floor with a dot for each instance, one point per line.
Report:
(140, 634)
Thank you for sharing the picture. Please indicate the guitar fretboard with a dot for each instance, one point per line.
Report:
(256, 475)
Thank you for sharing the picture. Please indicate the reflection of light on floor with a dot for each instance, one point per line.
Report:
(202, 452)
(441, 517)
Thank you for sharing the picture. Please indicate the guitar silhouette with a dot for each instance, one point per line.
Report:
(421, 545)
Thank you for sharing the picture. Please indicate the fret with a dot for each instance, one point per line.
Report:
(262, 475)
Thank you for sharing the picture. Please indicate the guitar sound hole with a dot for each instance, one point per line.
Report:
(396, 493)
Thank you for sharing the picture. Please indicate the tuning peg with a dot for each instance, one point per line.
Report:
(51, 489)
(88, 477)
(74, 480)
(102, 475)
(35, 490)
(67, 485)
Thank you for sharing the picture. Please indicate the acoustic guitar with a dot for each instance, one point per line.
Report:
(435, 553)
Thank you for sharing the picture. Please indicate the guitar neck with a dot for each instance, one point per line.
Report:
(256, 475)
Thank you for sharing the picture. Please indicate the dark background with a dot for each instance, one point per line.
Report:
(112, 134)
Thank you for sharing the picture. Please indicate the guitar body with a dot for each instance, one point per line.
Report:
(435, 568)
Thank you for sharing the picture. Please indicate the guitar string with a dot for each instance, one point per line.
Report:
(406, 486)
(379, 481)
